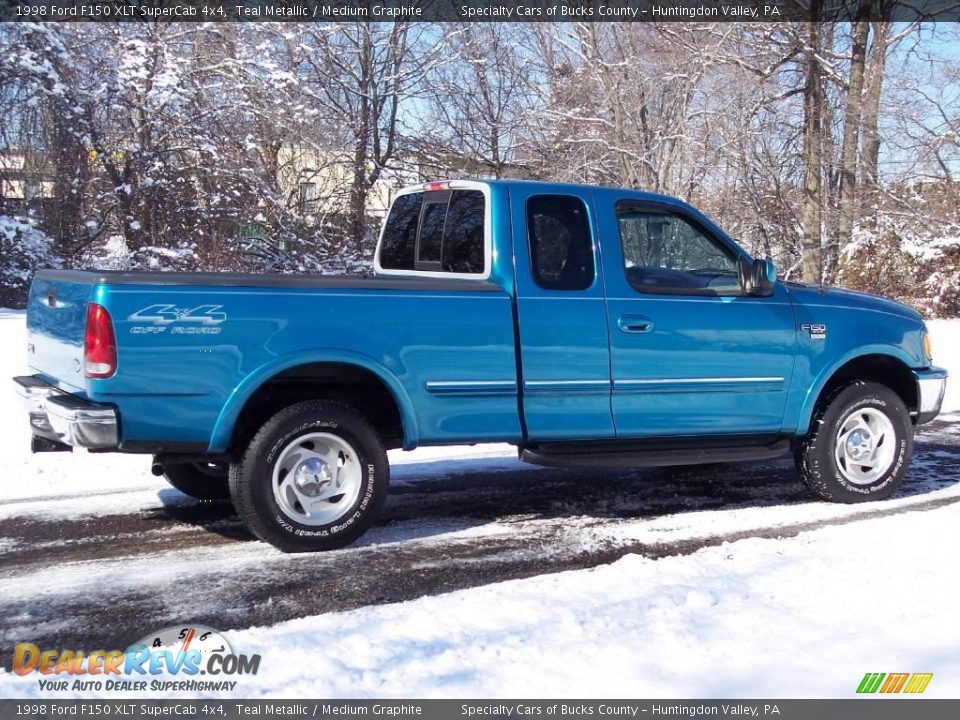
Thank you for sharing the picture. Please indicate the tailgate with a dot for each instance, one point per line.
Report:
(56, 321)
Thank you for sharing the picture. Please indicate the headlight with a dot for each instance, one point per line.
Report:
(927, 346)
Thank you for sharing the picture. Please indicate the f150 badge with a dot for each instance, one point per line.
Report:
(817, 331)
(201, 320)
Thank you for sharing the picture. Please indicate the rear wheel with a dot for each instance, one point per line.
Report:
(313, 478)
(859, 445)
(202, 480)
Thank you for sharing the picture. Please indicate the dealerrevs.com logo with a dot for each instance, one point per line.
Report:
(180, 658)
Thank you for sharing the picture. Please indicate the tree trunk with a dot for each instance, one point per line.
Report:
(360, 185)
(851, 136)
(870, 151)
(812, 130)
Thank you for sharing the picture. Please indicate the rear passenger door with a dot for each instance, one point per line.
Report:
(564, 345)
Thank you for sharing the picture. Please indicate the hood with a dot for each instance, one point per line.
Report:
(852, 299)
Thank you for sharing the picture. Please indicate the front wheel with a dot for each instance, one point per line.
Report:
(859, 445)
(313, 478)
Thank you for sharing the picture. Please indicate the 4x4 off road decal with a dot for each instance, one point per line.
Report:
(817, 331)
(201, 320)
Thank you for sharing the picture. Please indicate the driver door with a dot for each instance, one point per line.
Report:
(690, 352)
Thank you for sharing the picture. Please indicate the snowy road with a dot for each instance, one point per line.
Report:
(91, 580)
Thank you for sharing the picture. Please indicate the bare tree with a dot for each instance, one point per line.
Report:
(360, 74)
(480, 100)
(812, 138)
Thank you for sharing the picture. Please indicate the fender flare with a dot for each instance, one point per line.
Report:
(816, 388)
(224, 426)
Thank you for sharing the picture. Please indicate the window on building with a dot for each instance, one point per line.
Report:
(308, 197)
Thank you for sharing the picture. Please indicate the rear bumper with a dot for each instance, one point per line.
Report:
(931, 386)
(59, 417)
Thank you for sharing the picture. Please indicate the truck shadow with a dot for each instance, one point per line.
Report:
(444, 496)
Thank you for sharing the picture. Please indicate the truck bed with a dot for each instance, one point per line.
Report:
(443, 348)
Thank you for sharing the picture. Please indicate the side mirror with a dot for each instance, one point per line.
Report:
(757, 278)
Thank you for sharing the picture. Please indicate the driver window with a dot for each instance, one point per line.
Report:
(665, 253)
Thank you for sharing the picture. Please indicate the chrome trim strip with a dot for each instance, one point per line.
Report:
(694, 385)
(728, 380)
(561, 383)
(566, 386)
(471, 387)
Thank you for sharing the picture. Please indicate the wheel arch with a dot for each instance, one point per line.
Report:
(885, 365)
(324, 371)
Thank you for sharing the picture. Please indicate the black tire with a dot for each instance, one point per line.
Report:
(252, 477)
(204, 481)
(815, 454)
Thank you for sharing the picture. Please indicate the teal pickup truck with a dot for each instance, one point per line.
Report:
(588, 326)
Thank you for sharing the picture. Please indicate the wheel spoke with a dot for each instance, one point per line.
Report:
(857, 425)
(288, 488)
(330, 491)
(288, 462)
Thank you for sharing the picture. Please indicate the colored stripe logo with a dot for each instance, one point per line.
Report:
(887, 683)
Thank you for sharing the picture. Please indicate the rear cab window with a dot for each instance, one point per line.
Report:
(439, 233)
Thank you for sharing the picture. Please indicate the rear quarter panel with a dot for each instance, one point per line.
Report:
(187, 380)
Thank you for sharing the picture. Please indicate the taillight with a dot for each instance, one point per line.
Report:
(99, 343)
(439, 185)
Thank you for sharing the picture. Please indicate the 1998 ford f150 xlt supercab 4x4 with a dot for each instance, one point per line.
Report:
(589, 326)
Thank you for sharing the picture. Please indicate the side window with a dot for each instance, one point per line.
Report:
(436, 231)
(398, 247)
(664, 252)
(561, 248)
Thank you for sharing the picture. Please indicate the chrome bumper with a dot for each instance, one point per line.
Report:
(63, 418)
(931, 386)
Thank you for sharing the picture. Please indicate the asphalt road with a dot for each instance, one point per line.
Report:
(106, 580)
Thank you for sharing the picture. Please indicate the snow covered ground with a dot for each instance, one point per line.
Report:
(805, 617)
(847, 590)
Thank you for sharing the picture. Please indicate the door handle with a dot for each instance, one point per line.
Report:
(635, 324)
